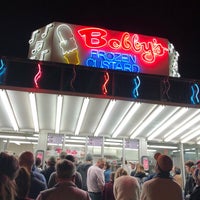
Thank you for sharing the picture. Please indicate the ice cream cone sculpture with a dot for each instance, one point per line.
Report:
(68, 44)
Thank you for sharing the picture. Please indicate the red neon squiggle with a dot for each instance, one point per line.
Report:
(38, 76)
(106, 79)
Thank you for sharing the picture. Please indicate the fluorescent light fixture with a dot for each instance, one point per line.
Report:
(105, 117)
(161, 147)
(126, 119)
(191, 135)
(182, 126)
(19, 142)
(77, 138)
(113, 143)
(34, 111)
(168, 123)
(82, 114)
(9, 109)
(75, 141)
(113, 140)
(58, 113)
(74, 145)
(13, 137)
(145, 121)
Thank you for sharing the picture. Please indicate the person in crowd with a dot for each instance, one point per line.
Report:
(108, 188)
(151, 175)
(126, 166)
(107, 172)
(125, 186)
(96, 179)
(189, 182)
(65, 188)
(26, 159)
(120, 172)
(78, 179)
(38, 164)
(195, 195)
(9, 167)
(140, 174)
(83, 168)
(176, 174)
(162, 186)
(51, 163)
(133, 168)
(23, 182)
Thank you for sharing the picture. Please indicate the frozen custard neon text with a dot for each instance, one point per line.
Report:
(98, 38)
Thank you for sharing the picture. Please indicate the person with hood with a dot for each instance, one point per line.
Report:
(83, 168)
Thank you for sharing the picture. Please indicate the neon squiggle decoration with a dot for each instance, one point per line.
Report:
(166, 87)
(136, 82)
(195, 92)
(106, 79)
(97, 38)
(2, 70)
(38, 76)
(73, 79)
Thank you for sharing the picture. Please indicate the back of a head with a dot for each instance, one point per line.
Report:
(164, 163)
(120, 172)
(51, 161)
(26, 159)
(65, 169)
(23, 181)
(89, 157)
(62, 155)
(70, 157)
(9, 165)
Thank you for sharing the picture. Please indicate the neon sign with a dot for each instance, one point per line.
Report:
(195, 92)
(100, 48)
(2, 70)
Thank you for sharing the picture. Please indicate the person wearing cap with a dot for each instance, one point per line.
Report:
(83, 168)
(162, 186)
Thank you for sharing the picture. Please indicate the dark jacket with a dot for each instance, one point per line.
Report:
(82, 169)
(195, 195)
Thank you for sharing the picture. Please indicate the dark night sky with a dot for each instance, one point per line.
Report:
(177, 21)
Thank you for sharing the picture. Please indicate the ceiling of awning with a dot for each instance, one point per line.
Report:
(159, 120)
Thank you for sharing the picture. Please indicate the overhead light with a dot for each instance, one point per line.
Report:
(82, 114)
(168, 123)
(58, 113)
(161, 147)
(34, 111)
(12, 137)
(75, 141)
(76, 137)
(126, 119)
(9, 109)
(145, 121)
(191, 135)
(105, 117)
(182, 126)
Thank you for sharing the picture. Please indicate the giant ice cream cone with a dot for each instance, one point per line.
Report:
(68, 44)
(72, 57)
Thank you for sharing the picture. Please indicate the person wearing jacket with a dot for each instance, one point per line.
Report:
(65, 188)
(162, 186)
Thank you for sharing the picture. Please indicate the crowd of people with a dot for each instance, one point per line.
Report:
(23, 178)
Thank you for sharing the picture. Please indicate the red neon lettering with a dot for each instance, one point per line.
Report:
(93, 37)
(96, 38)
